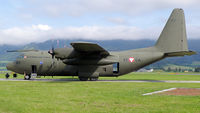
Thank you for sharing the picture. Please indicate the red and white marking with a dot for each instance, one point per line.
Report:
(131, 59)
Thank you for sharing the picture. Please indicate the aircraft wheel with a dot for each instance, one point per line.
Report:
(27, 77)
(93, 78)
(83, 78)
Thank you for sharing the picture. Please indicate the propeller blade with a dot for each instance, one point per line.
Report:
(28, 50)
(52, 52)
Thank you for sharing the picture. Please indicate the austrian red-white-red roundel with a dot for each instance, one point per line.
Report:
(131, 59)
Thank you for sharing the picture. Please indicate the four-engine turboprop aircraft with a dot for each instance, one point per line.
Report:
(90, 61)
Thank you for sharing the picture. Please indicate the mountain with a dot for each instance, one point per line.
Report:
(111, 45)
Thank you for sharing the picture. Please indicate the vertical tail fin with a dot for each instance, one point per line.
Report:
(173, 37)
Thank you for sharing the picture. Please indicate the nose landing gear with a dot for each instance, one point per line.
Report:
(33, 73)
(86, 78)
(27, 77)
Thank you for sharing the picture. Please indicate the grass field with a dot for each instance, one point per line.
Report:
(3, 68)
(98, 97)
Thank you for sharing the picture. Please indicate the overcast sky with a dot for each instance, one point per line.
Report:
(26, 21)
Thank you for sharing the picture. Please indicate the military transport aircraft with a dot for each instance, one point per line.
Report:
(91, 61)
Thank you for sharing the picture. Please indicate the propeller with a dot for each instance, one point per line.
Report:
(52, 52)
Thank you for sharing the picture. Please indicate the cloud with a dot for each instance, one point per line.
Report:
(41, 27)
(118, 12)
(59, 8)
(23, 35)
(41, 33)
(118, 20)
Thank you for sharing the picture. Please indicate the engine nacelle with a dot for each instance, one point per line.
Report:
(65, 53)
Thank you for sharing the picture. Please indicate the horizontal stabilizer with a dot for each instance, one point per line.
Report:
(182, 53)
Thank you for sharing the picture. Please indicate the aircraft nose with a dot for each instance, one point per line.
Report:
(10, 66)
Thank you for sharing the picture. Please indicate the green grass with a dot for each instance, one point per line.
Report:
(92, 97)
(98, 97)
(2, 67)
(160, 76)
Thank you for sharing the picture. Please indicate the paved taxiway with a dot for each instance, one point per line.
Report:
(74, 80)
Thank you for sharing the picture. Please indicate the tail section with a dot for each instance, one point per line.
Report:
(173, 37)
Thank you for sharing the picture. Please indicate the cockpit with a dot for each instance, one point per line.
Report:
(21, 56)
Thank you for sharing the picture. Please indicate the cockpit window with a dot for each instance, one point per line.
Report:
(20, 56)
(17, 62)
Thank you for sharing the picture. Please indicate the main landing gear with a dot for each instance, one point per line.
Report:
(93, 78)
(86, 78)
(29, 76)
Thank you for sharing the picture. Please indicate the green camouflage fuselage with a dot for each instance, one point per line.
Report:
(46, 66)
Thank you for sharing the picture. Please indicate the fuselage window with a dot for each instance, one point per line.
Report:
(17, 62)
(20, 56)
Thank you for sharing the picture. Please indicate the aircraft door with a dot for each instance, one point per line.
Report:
(116, 68)
(34, 69)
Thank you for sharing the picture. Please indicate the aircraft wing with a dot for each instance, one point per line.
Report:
(89, 48)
